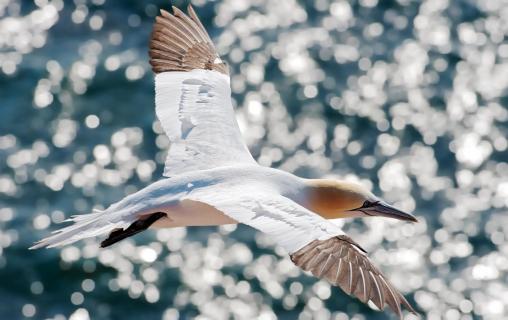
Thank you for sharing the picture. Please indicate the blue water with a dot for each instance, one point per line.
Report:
(406, 97)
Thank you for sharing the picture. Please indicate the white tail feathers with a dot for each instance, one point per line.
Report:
(85, 226)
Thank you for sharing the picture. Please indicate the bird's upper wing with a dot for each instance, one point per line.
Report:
(314, 244)
(193, 96)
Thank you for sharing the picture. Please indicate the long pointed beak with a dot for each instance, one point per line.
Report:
(383, 209)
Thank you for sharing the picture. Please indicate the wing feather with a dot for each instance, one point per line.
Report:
(187, 43)
(363, 295)
(390, 297)
(351, 271)
(195, 18)
(377, 296)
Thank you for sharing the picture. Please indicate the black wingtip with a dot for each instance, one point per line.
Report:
(136, 227)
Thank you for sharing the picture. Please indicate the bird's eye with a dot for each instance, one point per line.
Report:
(366, 204)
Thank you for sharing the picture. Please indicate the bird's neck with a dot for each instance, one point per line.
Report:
(327, 198)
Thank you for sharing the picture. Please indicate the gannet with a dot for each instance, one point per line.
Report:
(212, 179)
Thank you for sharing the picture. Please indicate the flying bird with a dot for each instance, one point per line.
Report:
(212, 179)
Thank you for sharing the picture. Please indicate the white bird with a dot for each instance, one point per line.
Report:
(212, 179)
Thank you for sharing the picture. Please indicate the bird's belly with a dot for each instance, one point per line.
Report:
(192, 213)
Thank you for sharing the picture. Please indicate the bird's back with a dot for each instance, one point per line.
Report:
(169, 190)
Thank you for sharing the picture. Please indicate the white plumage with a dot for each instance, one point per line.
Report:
(196, 113)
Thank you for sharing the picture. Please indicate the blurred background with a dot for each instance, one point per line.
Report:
(408, 97)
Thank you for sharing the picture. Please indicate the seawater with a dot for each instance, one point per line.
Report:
(407, 97)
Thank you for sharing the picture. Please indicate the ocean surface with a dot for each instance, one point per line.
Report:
(408, 97)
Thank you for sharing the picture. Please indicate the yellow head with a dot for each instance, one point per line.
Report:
(342, 199)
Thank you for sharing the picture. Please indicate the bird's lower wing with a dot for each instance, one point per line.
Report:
(345, 264)
(289, 224)
(314, 244)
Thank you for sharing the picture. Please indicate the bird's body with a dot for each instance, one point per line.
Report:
(212, 179)
(177, 196)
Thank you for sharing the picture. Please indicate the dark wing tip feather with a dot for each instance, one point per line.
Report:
(347, 266)
(182, 43)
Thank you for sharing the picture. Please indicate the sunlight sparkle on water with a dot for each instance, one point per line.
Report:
(408, 99)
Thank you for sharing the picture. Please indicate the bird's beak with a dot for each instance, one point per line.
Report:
(383, 209)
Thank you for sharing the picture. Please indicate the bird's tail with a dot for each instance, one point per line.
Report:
(86, 226)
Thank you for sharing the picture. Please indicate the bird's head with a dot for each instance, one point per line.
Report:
(343, 199)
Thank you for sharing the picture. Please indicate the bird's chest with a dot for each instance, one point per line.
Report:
(192, 213)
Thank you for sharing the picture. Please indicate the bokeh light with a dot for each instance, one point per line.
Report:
(406, 97)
